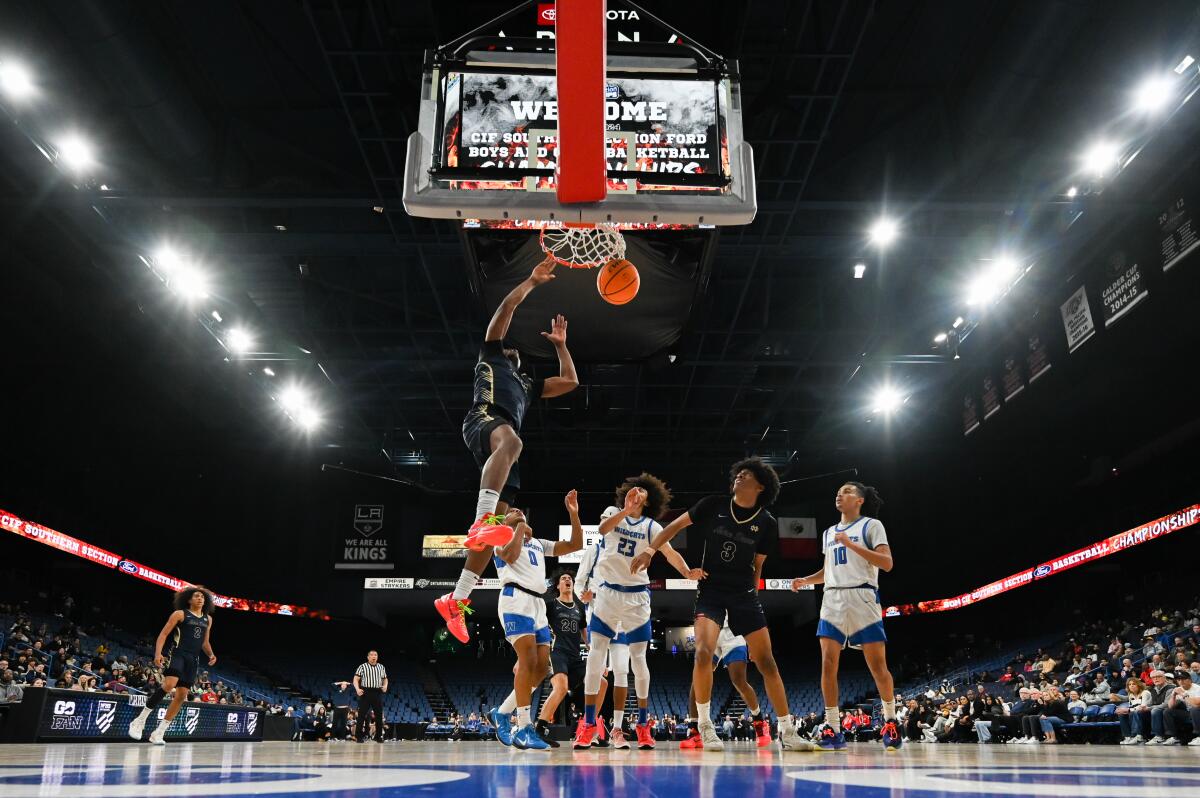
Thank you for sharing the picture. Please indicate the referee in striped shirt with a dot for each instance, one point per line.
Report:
(370, 683)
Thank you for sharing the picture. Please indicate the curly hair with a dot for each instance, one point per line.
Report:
(765, 475)
(658, 495)
(872, 501)
(183, 598)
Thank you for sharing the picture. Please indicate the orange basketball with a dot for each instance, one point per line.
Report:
(618, 282)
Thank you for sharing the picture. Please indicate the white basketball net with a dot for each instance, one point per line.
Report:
(583, 247)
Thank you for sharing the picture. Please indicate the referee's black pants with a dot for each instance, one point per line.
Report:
(371, 699)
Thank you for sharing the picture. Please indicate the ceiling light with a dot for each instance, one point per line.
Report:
(1072, 191)
(884, 231)
(1153, 94)
(270, 372)
(308, 418)
(993, 282)
(190, 284)
(859, 270)
(958, 322)
(281, 228)
(1100, 158)
(1182, 66)
(217, 317)
(940, 338)
(887, 400)
(239, 341)
(16, 82)
(76, 153)
(167, 259)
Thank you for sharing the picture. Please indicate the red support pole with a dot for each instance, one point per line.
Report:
(580, 55)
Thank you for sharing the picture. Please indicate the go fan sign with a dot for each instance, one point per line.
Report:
(362, 543)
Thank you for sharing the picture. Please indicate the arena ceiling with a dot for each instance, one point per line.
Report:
(265, 135)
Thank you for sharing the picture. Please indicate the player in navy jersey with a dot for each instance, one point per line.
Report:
(856, 550)
(502, 395)
(180, 644)
(568, 624)
(736, 534)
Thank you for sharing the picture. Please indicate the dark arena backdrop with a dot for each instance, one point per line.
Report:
(282, 423)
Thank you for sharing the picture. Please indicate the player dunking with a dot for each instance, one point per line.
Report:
(188, 628)
(622, 605)
(491, 430)
(734, 655)
(736, 534)
(522, 609)
(855, 551)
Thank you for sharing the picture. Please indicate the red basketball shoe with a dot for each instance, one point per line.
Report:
(584, 735)
(762, 733)
(490, 530)
(454, 612)
(644, 738)
(692, 742)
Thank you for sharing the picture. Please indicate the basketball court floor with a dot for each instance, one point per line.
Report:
(487, 770)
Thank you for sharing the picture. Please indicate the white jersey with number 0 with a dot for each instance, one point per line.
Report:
(844, 568)
(528, 570)
(618, 548)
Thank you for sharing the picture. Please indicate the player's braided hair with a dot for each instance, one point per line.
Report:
(183, 598)
(658, 495)
(764, 474)
(872, 501)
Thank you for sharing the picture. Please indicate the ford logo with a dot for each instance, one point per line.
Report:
(127, 567)
(1040, 571)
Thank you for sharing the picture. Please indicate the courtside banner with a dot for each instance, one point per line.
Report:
(1145, 533)
(79, 548)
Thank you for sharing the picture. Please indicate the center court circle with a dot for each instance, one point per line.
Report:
(1102, 782)
(154, 782)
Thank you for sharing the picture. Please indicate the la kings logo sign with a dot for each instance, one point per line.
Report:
(367, 549)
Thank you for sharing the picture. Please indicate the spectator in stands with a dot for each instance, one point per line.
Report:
(1183, 710)
(10, 691)
(1151, 714)
(942, 728)
(1075, 704)
(993, 708)
(1100, 693)
(1128, 713)
(37, 671)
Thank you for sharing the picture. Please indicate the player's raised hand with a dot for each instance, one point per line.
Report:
(635, 498)
(572, 502)
(558, 331)
(543, 272)
(640, 562)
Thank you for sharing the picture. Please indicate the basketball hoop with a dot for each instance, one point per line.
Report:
(583, 246)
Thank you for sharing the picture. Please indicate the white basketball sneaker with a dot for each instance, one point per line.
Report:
(708, 736)
(790, 739)
(138, 724)
(156, 736)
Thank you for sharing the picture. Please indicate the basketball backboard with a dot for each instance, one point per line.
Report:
(485, 148)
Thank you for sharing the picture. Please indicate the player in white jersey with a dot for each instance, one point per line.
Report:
(856, 549)
(622, 603)
(521, 564)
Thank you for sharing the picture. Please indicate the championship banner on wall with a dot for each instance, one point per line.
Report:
(1077, 319)
(1012, 380)
(1036, 360)
(1145, 533)
(361, 544)
(991, 398)
(443, 547)
(1123, 287)
(1178, 231)
(971, 420)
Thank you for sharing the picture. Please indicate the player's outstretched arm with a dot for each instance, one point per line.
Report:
(642, 561)
(635, 500)
(498, 326)
(576, 542)
(512, 550)
(173, 620)
(567, 380)
(679, 564)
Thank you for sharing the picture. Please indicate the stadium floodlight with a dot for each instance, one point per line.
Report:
(940, 338)
(1153, 94)
(308, 419)
(888, 400)
(239, 341)
(15, 81)
(884, 231)
(76, 153)
(958, 322)
(167, 260)
(270, 372)
(1100, 158)
(1182, 66)
(993, 282)
(189, 283)
(1072, 192)
(217, 317)
(298, 405)
(859, 270)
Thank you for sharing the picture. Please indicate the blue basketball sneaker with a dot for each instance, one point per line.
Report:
(891, 737)
(829, 739)
(503, 724)
(526, 738)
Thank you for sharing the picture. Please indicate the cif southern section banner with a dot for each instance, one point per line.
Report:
(64, 715)
(510, 121)
(1144, 533)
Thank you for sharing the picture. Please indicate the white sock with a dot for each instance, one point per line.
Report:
(509, 704)
(486, 503)
(618, 718)
(466, 583)
(832, 717)
(703, 714)
(522, 717)
(889, 710)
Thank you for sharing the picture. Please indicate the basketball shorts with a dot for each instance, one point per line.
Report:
(742, 608)
(523, 614)
(621, 609)
(570, 664)
(477, 435)
(851, 616)
(184, 666)
(730, 648)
